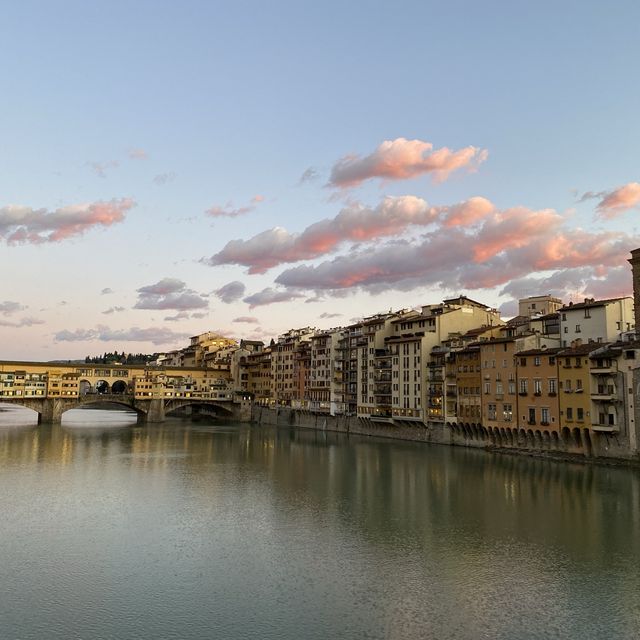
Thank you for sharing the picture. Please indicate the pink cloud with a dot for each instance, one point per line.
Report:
(354, 223)
(19, 224)
(228, 211)
(468, 212)
(615, 202)
(507, 245)
(401, 159)
(511, 229)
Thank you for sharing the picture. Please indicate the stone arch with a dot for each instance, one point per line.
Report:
(576, 437)
(119, 387)
(587, 442)
(85, 387)
(221, 409)
(102, 387)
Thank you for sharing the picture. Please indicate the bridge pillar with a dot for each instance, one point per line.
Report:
(156, 411)
(52, 410)
(244, 414)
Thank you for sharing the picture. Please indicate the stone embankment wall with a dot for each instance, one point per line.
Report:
(577, 445)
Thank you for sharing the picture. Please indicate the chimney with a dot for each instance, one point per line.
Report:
(635, 273)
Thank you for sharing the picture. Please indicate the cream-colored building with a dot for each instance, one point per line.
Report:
(596, 320)
(538, 305)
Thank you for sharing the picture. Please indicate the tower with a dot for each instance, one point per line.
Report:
(635, 271)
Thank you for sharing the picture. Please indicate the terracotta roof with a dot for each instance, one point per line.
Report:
(549, 351)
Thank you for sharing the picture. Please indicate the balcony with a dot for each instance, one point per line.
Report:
(604, 396)
(605, 428)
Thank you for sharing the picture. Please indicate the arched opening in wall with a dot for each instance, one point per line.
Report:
(554, 438)
(119, 387)
(576, 437)
(587, 441)
(85, 387)
(566, 434)
(546, 438)
(102, 387)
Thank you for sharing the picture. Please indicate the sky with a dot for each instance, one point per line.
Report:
(171, 168)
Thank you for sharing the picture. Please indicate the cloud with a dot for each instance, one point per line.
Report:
(247, 320)
(9, 307)
(183, 315)
(270, 296)
(507, 244)
(113, 310)
(164, 178)
(309, 175)
(227, 211)
(402, 159)
(102, 333)
(24, 322)
(138, 154)
(354, 223)
(169, 293)
(230, 292)
(101, 168)
(106, 291)
(199, 315)
(326, 316)
(22, 225)
(616, 202)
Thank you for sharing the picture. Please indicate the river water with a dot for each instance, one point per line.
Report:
(202, 530)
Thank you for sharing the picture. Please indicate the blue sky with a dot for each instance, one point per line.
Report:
(165, 111)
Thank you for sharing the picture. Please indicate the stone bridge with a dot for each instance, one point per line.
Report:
(50, 410)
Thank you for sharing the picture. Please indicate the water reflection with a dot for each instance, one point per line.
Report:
(400, 540)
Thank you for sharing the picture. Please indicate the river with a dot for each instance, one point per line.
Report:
(110, 530)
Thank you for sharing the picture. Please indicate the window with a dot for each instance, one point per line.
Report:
(569, 413)
(544, 415)
(566, 329)
(536, 361)
(491, 412)
(553, 385)
(532, 415)
(578, 384)
(499, 387)
(580, 412)
(523, 362)
(577, 328)
(587, 313)
(524, 385)
(487, 388)
(537, 386)
(507, 412)
(512, 386)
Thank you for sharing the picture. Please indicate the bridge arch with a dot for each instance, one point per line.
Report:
(175, 404)
(102, 387)
(119, 387)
